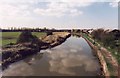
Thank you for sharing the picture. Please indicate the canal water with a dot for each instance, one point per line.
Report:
(74, 57)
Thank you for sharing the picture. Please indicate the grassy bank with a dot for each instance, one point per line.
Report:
(11, 37)
(112, 51)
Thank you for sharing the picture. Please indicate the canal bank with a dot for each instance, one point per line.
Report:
(74, 57)
(14, 52)
(98, 53)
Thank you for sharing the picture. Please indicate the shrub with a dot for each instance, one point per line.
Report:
(25, 36)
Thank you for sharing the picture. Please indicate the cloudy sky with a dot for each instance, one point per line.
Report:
(59, 13)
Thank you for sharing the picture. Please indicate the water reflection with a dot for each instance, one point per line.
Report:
(70, 61)
(24, 67)
(74, 57)
(31, 60)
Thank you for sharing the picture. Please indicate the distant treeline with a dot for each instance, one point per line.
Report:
(34, 30)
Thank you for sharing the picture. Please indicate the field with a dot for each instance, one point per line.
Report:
(11, 37)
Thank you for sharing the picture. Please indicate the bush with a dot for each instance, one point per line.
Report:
(25, 36)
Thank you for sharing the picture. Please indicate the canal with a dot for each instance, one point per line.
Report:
(74, 57)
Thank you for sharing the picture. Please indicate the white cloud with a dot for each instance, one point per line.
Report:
(22, 10)
(114, 3)
(75, 12)
(10, 9)
(68, 7)
(62, 8)
(54, 8)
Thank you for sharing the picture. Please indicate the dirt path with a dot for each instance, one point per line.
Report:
(111, 60)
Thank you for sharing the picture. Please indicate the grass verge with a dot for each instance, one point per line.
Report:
(11, 37)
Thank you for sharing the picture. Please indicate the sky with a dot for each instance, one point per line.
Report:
(59, 13)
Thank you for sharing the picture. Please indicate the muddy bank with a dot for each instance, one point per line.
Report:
(15, 52)
(56, 39)
(97, 52)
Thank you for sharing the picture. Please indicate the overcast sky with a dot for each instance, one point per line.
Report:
(59, 13)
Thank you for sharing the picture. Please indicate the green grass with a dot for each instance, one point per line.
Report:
(85, 35)
(6, 41)
(10, 34)
(39, 34)
(117, 56)
(11, 37)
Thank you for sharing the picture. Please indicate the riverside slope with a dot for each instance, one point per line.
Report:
(13, 53)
